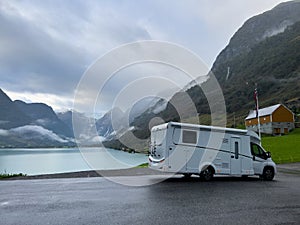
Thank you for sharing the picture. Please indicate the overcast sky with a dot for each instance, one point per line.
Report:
(46, 46)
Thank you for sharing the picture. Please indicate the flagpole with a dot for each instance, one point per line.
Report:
(257, 108)
(258, 124)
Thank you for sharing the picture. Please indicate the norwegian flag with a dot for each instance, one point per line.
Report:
(256, 101)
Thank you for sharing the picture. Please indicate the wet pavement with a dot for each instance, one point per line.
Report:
(225, 200)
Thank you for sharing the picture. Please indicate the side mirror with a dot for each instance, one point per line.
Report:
(268, 154)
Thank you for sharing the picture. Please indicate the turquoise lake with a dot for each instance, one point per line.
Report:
(48, 161)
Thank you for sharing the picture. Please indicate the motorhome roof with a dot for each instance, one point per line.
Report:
(207, 127)
(196, 126)
(160, 126)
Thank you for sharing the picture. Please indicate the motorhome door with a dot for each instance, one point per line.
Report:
(235, 161)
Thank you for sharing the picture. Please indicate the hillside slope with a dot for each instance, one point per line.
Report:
(10, 115)
(257, 29)
(273, 65)
(263, 53)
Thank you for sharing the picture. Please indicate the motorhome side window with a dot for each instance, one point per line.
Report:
(236, 150)
(189, 137)
(257, 151)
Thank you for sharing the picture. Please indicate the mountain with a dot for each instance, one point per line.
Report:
(43, 115)
(31, 125)
(10, 115)
(263, 53)
(259, 28)
(141, 106)
(83, 122)
(66, 117)
(112, 120)
(116, 120)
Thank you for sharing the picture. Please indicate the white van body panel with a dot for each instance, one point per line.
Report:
(189, 149)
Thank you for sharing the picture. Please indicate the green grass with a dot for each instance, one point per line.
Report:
(144, 165)
(8, 175)
(284, 149)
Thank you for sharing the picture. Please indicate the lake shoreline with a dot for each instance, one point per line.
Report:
(90, 173)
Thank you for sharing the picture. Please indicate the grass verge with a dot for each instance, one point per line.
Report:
(284, 149)
(144, 165)
(8, 175)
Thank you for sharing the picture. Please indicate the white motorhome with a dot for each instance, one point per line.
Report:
(206, 150)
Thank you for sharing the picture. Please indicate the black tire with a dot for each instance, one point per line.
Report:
(207, 174)
(268, 173)
(244, 176)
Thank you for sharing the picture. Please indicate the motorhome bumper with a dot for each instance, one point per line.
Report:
(153, 161)
(157, 164)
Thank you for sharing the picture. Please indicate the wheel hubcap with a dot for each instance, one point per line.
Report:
(207, 173)
(269, 174)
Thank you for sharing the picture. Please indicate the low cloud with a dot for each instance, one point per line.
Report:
(4, 132)
(34, 131)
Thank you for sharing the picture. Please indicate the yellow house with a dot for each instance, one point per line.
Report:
(276, 119)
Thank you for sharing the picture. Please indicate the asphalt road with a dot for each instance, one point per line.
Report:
(90, 201)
